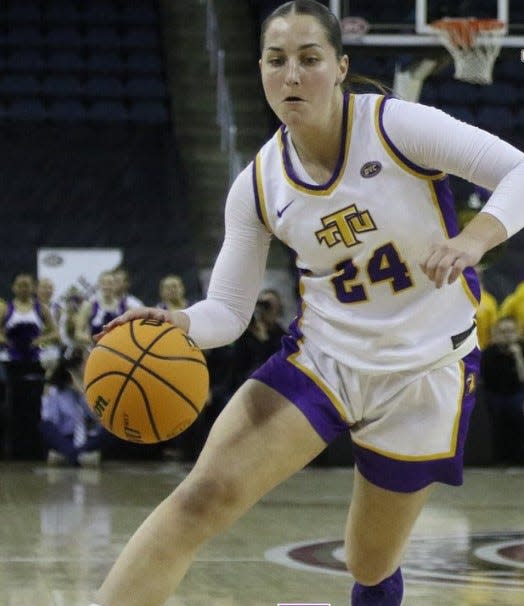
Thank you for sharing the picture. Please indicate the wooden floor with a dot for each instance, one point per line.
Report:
(61, 529)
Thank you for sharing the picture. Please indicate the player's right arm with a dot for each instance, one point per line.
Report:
(235, 282)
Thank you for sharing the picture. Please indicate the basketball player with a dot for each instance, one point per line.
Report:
(385, 343)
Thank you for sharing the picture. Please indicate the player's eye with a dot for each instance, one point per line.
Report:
(310, 60)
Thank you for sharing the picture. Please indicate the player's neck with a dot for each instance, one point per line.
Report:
(318, 147)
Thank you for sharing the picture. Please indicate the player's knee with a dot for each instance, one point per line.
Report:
(207, 500)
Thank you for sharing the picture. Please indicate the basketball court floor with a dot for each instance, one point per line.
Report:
(61, 529)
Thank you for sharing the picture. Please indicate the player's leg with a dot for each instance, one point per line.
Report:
(378, 528)
(392, 486)
(259, 440)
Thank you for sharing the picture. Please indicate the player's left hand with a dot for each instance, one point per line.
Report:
(446, 260)
(147, 313)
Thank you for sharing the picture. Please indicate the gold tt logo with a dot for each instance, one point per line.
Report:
(343, 226)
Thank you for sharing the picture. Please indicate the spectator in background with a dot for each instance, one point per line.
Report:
(172, 292)
(69, 431)
(103, 307)
(513, 306)
(260, 340)
(502, 372)
(271, 310)
(73, 300)
(487, 314)
(45, 289)
(122, 285)
(26, 324)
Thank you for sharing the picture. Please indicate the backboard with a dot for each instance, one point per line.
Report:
(405, 23)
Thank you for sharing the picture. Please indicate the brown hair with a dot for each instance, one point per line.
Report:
(331, 26)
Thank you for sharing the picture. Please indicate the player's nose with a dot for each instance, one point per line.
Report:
(292, 73)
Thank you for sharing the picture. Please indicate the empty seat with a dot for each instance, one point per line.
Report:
(139, 14)
(104, 86)
(428, 95)
(496, 119)
(64, 37)
(499, 93)
(100, 12)
(108, 111)
(140, 37)
(103, 37)
(23, 11)
(61, 11)
(27, 109)
(508, 69)
(460, 112)
(56, 85)
(64, 60)
(67, 110)
(145, 87)
(24, 36)
(105, 61)
(16, 84)
(25, 60)
(144, 62)
(453, 92)
(151, 112)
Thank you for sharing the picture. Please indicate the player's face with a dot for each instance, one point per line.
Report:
(300, 70)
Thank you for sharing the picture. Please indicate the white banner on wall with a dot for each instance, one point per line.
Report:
(79, 267)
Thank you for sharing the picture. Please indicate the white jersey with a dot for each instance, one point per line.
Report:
(359, 237)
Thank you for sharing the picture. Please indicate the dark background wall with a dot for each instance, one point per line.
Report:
(94, 186)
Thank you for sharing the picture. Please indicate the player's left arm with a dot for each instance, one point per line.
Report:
(433, 139)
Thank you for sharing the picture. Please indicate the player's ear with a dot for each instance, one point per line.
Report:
(343, 68)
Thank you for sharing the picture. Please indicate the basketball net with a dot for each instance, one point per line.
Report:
(474, 45)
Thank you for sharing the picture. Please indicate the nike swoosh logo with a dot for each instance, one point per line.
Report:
(281, 211)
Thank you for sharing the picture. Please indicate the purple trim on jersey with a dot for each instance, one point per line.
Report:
(419, 169)
(283, 376)
(409, 476)
(446, 202)
(255, 190)
(340, 160)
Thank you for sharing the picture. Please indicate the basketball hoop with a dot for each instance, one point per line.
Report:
(474, 45)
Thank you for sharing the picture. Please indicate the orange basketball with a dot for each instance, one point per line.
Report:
(146, 381)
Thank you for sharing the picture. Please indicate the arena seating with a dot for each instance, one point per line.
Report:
(94, 61)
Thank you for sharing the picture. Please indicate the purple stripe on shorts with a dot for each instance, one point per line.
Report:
(409, 476)
(283, 376)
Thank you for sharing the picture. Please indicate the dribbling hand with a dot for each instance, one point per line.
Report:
(446, 260)
(177, 318)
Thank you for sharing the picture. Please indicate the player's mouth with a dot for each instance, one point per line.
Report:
(292, 99)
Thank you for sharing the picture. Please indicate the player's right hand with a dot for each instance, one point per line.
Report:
(177, 318)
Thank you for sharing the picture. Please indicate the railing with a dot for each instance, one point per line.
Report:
(225, 115)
